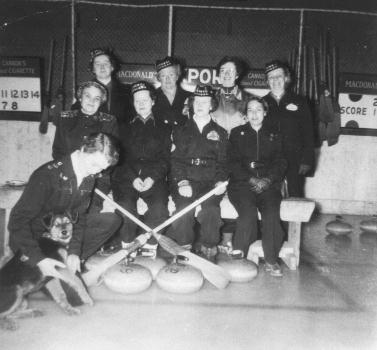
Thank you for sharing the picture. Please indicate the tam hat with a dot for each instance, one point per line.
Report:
(140, 86)
(203, 90)
(166, 62)
(98, 52)
(274, 65)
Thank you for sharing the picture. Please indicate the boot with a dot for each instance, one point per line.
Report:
(149, 250)
(226, 245)
(125, 246)
(208, 253)
(179, 258)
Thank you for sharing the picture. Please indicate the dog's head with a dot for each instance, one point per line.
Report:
(59, 227)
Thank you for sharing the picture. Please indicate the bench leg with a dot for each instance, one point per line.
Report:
(294, 238)
(5, 252)
(291, 261)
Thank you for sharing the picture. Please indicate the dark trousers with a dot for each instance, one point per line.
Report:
(209, 218)
(156, 199)
(247, 203)
(100, 227)
(295, 181)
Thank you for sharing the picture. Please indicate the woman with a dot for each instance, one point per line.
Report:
(230, 97)
(65, 186)
(144, 166)
(289, 113)
(198, 164)
(73, 125)
(103, 65)
(257, 168)
(170, 101)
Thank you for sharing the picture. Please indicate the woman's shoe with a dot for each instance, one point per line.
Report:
(273, 269)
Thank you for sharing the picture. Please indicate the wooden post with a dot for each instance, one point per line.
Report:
(73, 47)
(170, 34)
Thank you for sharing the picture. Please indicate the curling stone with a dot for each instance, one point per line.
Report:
(154, 265)
(339, 226)
(240, 270)
(128, 278)
(369, 225)
(94, 260)
(179, 278)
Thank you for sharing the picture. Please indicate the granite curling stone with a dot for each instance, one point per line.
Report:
(180, 279)
(369, 225)
(128, 278)
(240, 270)
(94, 261)
(339, 226)
(154, 265)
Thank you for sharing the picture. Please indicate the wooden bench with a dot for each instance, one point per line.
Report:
(294, 210)
(8, 198)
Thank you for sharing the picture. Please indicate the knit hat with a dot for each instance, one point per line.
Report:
(203, 90)
(274, 65)
(168, 61)
(98, 52)
(140, 86)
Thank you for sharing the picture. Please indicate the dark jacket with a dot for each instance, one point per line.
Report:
(200, 157)
(170, 113)
(255, 154)
(230, 112)
(120, 102)
(292, 118)
(145, 152)
(52, 188)
(72, 126)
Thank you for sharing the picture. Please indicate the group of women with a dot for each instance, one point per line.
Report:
(184, 144)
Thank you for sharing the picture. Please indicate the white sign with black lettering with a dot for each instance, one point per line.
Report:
(358, 110)
(20, 94)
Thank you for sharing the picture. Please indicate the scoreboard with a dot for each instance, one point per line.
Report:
(20, 85)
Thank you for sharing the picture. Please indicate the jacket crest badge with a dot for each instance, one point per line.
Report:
(213, 135)
(292, 107)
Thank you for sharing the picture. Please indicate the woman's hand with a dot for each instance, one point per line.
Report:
(184, 188)
(220, 189)
(48, 267)
(138, 184)
(148, 183)
(73, 263)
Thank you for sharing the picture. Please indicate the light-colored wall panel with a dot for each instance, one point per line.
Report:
(23, 148)
(345, 180)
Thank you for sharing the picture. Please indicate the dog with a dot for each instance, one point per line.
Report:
(18, 279)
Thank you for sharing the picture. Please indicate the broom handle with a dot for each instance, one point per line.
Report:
(189, 207)
(123, 211)
(91, 277)
(168, 221)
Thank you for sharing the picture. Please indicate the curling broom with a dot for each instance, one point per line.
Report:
(213, 273)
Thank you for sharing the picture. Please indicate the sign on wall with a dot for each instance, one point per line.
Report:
(357, 92)
(358, 100)
(20, 84)
(131, 73)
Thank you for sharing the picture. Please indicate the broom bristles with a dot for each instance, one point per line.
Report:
(213, 273)
(168, 244)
